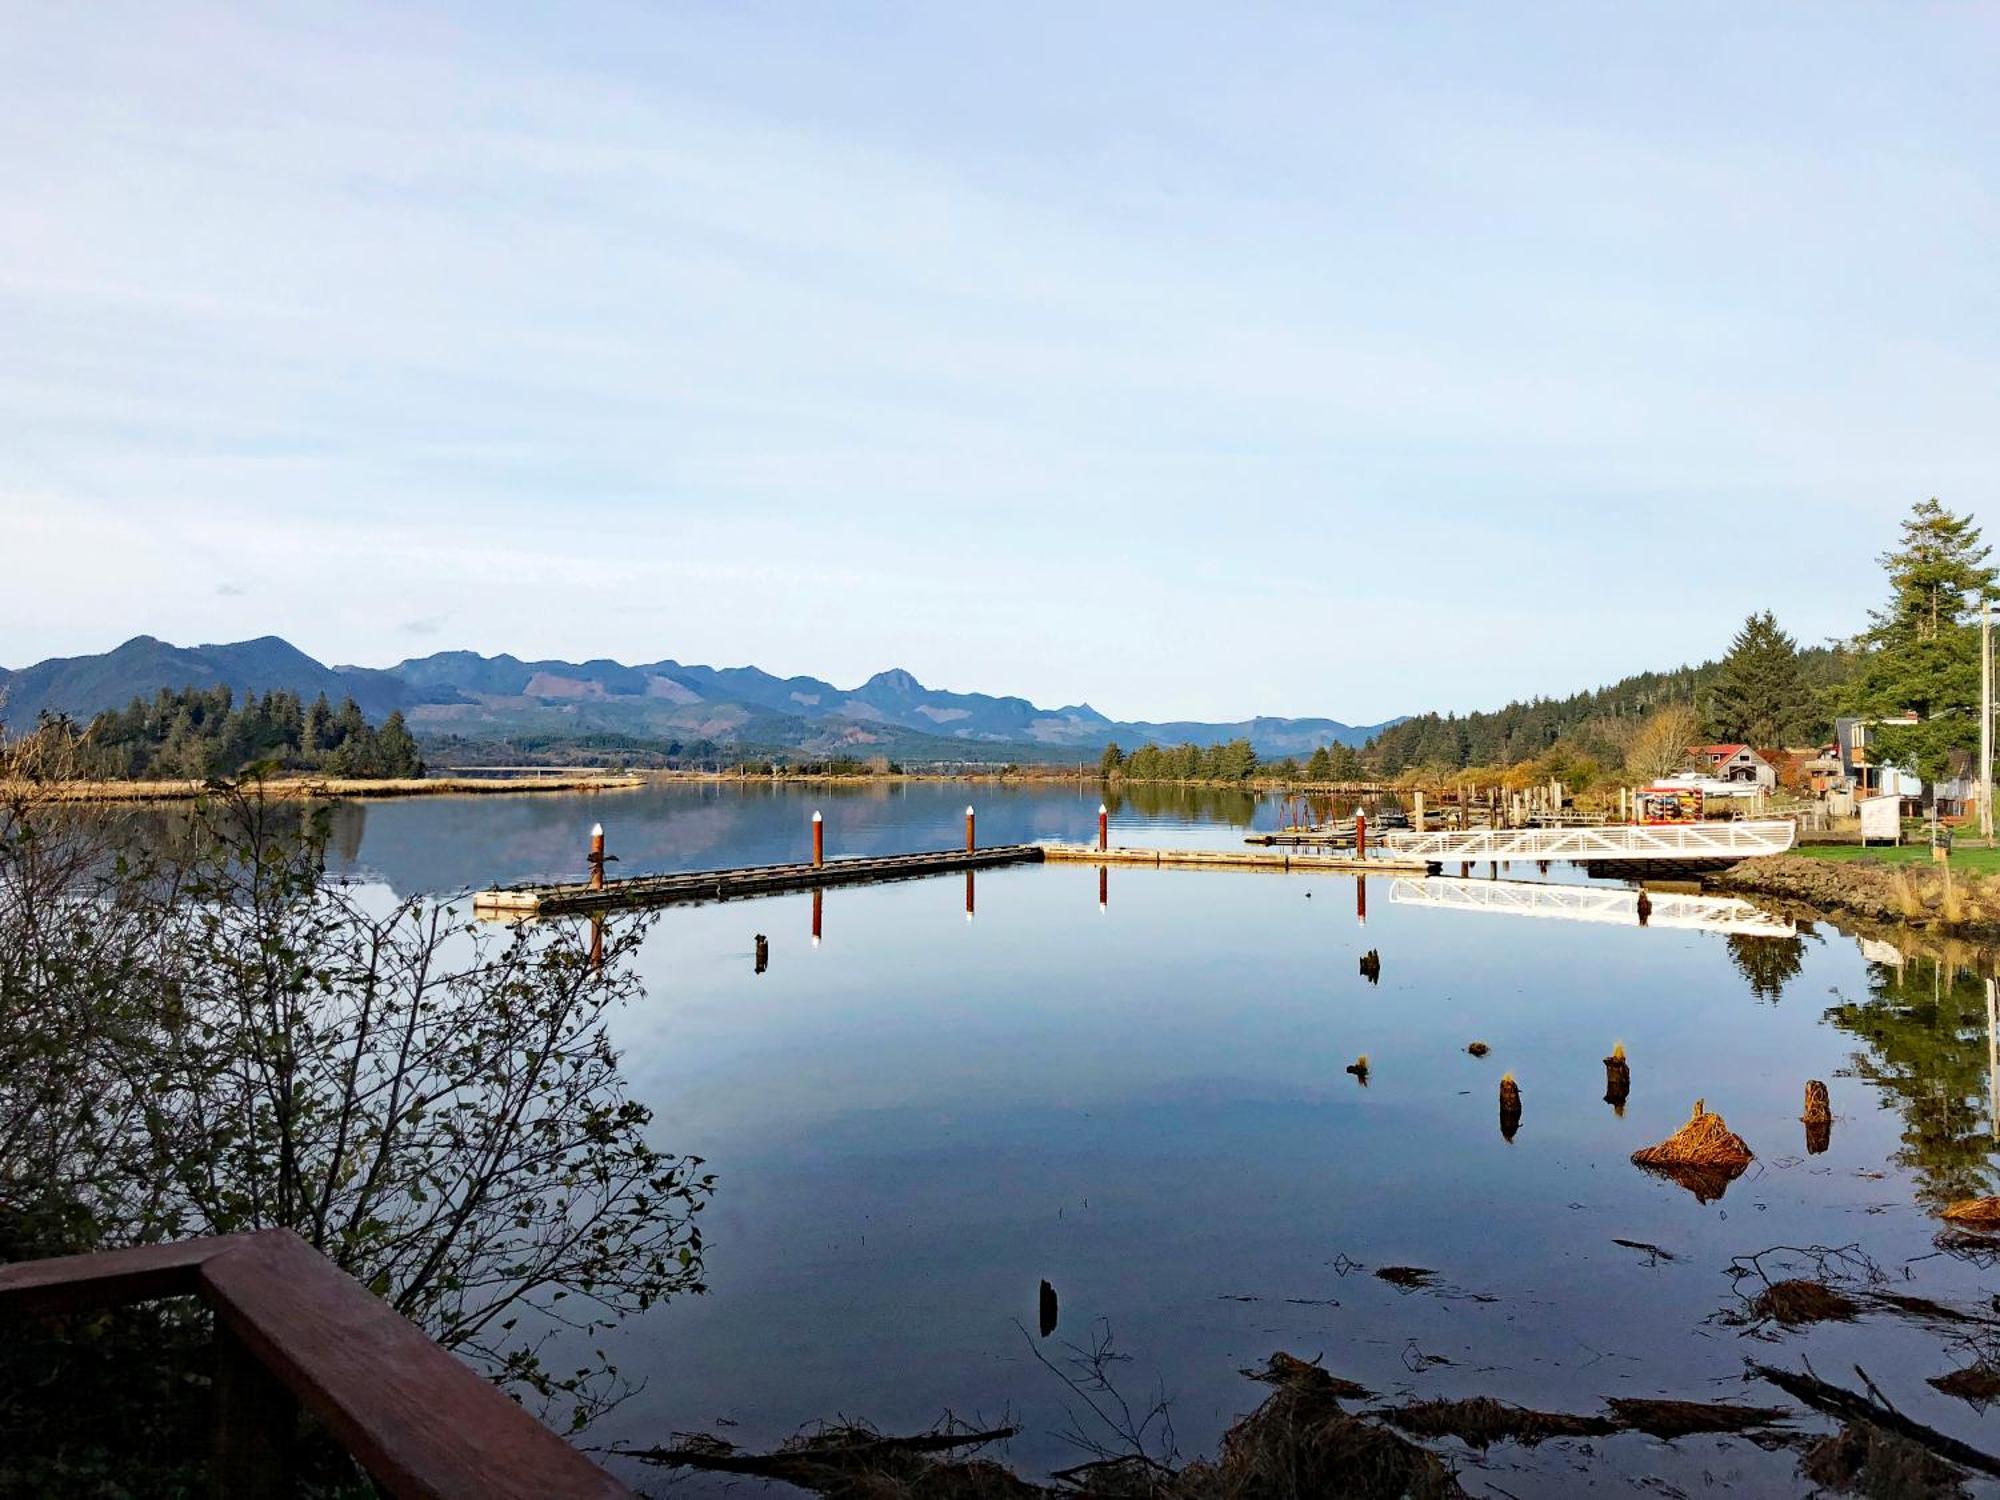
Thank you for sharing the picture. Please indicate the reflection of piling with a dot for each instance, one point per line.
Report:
(1371, 966)
(1103, 887)
(1361, 900)
(1510, 1106)
(596, 943)
(1645, 907)
(819, 897)
(819, 840)
(763, 953)
(1818, 1118)
(1617, 1079)
(597, 856)
(968, 895)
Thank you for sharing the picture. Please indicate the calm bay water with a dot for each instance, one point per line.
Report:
(921, 1116)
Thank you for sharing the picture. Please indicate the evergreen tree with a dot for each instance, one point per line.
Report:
(1111, 762)
(1760, 696)
(1924, 651)
(1319, 765)
(396, 750)
(1343, 764)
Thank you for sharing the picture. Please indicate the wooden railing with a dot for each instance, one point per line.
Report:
(293, 1330)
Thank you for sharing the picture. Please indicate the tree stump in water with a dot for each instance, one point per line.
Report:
(1617, 1079)
(1818, 1118)
(1510, 1106)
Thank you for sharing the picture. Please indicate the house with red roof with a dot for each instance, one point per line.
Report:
(1734, 763)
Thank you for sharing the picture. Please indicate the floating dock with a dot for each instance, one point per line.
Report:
(1278, 860)
(581, 897)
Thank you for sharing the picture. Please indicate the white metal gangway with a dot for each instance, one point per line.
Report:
(1616, 905)
(1620, 841)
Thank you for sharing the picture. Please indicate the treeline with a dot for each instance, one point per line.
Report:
(1600, 725)
(194, 733)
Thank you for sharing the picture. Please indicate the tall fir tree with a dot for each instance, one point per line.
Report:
(1923, 648)
(1760, 696)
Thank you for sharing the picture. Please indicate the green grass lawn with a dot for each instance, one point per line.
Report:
(1978, 861)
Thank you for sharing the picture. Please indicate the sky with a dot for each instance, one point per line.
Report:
(1188, 360)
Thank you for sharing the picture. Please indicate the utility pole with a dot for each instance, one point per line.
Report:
(1986, 718)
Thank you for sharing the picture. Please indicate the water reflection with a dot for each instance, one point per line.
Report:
(1930, 1049)
(1617, 905)
(1767, 964)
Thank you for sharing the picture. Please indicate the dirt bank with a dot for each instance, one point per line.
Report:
(1931, 898)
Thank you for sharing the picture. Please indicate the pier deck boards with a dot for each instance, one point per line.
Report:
(1230, 859)
(749, 880)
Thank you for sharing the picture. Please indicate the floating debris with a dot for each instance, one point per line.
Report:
(1704, 1156)
(1974, 1213)
(1048, 1309)
(1661, 1418)
(1478, 1049)
(763, 953)
(1481, 1421)
(1359, 1068)
(1406, 1276)
(1803, 1300)
(1654, 1251)
(1371, 966)
(1818, 1118)
(1289, 1370)
(1978, 1385)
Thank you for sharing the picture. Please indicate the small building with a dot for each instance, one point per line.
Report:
(1852, 741)
(1736, 763)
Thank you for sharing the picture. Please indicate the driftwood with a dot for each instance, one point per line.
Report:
(1850, 1406)
(1980, 1213)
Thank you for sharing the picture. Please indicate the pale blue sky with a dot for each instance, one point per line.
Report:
(1193, 360)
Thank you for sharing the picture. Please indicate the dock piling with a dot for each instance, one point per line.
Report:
(1103, 826)
(1360, 834)
(819, 840)
(968, 830)
(597, 856)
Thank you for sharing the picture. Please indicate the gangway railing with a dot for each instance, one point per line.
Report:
(1618, 841)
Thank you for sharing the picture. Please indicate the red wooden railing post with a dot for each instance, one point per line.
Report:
(256, 1422)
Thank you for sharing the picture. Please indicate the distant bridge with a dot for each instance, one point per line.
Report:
(1680, 843)
(1614, 905)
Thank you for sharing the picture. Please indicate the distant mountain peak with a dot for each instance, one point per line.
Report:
(895, 680)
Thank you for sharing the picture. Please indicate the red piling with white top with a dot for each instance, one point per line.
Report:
(819, 841)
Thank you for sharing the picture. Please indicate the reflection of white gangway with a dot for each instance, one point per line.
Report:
(1590, 903)
(1684, 842)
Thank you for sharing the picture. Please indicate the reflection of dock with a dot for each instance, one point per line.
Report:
(1591, 903)
(1229, 859)
(1677, 843)
(751, 880)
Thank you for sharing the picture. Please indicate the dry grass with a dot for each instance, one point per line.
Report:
(1976, 1213)
(1480, 1422)
(1802, 1301)
(1705, 1141)
(1663, 1418)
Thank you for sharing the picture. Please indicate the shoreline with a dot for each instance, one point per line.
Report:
(1913, 897)
(305, 788)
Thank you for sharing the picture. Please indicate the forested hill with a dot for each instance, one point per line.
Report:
(1596, 723)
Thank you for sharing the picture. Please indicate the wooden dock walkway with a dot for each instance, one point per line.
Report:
(580, 897)
(1278, 860)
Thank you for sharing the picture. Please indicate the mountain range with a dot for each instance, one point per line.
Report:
(497, 697)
